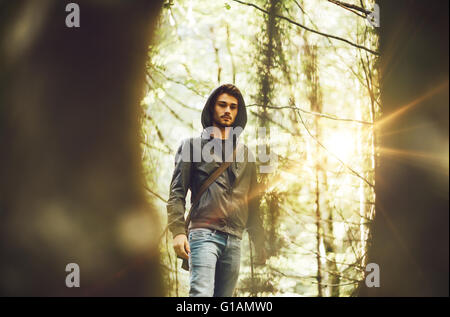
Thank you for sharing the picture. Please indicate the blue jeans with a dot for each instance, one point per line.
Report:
(213, 263)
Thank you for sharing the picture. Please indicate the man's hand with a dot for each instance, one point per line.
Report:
(261, 257)
(181, 246)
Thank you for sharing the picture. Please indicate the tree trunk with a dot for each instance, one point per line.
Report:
(71, 180)
(410, 229)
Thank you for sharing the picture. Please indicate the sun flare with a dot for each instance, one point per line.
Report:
(342, 144)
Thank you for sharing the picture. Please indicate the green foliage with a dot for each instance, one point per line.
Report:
(276, 65)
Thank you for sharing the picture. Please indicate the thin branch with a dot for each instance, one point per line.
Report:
(337, 221)
(293, 213)
(179, 101)
(274, 122)
(361, 81)
(310, 30)
(158, 132)
(311, 277)
(171, 96)
(313, 113)
(339, 285)
(180, 83)
(288, 275)
(176, 24)
(156, 194)
(368, 220)
(335, 156)
(156, 148)
(204, 84)
(189, 124)
(356, 264)
(350, 7)
(348, 232)
(341, 276)
(311, 233)
(298, 5)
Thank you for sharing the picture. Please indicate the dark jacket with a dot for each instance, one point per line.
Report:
(231, 202)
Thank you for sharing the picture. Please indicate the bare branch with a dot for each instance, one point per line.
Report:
(156, 148)
(342, 162)
(189, 124)
(179, 101)
(288, 275)
(180, 83)
(274, 122)
(351, 7)
(158, 132)
(309, 29)
(298, 5)
(156, 194)
(340, 275)
(313, 113)
(339, 285)
(356, 265)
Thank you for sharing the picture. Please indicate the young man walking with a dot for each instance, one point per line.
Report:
(211, 241)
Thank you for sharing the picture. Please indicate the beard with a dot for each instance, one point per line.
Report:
(223, 124)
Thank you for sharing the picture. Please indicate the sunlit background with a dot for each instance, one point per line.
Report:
(320, 105)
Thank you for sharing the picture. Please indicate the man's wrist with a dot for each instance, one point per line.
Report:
(177, 231)
(179, 234)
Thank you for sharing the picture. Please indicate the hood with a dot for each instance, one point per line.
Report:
(241, 118)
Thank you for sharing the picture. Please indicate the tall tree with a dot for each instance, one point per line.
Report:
(315, 100)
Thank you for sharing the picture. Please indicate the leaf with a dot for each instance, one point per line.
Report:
(227, 6)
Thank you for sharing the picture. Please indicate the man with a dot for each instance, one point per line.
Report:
(227, 207)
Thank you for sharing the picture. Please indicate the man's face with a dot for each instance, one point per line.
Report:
(225, 110)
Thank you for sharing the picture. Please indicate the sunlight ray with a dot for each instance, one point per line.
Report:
(403, 109)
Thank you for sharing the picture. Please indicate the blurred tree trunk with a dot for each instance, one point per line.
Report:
(71, 181)
(410, 230)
